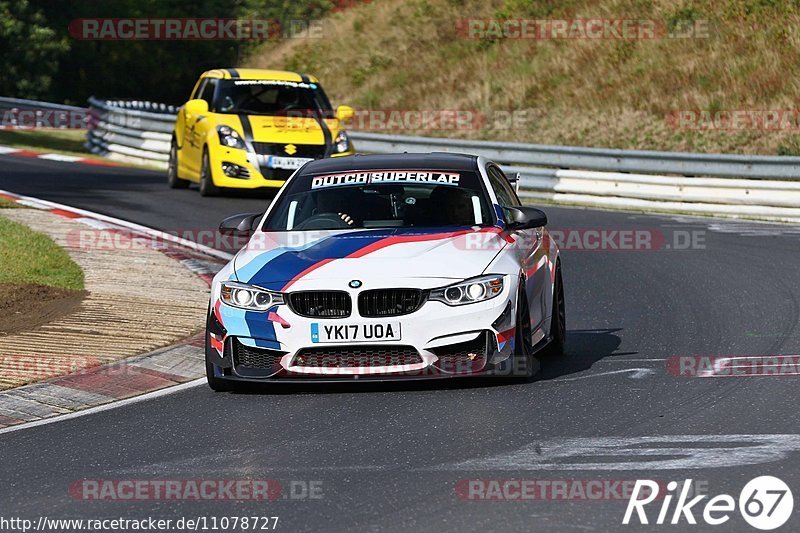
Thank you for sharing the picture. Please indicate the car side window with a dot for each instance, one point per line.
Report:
(502, 188)
(207, 93)
(199, 89)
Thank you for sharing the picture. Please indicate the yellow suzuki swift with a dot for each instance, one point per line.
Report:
(250, 128)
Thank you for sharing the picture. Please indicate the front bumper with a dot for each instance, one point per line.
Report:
(254, 171)
(436, 341)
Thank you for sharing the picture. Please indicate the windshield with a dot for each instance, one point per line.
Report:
(382, 199)
(272, 97)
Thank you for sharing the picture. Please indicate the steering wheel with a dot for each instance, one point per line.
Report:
(324, 221)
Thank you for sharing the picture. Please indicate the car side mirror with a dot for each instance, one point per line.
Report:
(345, 112)
(524, 217)
(196, 106)
(241, 224)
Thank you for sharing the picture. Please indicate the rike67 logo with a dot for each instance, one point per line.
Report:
(765, 503)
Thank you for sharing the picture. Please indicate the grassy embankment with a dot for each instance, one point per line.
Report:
(38, 281)
(407, 54)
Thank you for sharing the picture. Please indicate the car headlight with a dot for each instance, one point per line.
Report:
(469, 291)
(229, 137)
(342, 142)
(249, 297)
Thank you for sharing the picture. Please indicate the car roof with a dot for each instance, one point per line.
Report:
(258, 74)
(419, 161)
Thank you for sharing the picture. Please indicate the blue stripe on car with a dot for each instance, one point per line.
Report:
(278, 270)
(259, 326)
(247, 272)
(254, 324)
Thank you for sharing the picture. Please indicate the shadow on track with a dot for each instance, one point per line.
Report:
(584, 348)
(263, 193)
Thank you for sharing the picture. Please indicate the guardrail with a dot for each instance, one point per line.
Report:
(764, 187)
(16, 113)
(132, 132)
(602, 159)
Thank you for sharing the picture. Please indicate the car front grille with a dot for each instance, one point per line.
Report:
(314, 151)
(321, 304)
(275, 173)
(389, 302)
(261, 359)
(361, 356)
(466, 357)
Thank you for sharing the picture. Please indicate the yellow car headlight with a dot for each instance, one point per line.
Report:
(230, 138)
(342, 143)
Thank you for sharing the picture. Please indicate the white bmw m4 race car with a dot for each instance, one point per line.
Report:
(405, 266)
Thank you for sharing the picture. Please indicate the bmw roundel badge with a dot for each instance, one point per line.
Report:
(355, 284)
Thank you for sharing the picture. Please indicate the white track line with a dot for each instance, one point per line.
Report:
(36, 202)
(124, 223)
(106, 407)
(635, 373)
(60, 157)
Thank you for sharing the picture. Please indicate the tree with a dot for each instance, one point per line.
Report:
(44, 61)
(30, 51)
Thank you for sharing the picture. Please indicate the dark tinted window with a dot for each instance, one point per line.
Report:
(382, 199)
(502, 188)
(198, 89)
(272, 97)
(207, 93)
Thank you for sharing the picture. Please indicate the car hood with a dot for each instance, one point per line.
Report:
(278, 260)
(298, 130)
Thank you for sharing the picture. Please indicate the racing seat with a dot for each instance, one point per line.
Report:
(449, 206)
(419, 214)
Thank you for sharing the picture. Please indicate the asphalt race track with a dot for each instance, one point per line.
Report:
(395, 457)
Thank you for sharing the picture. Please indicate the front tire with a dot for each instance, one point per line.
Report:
(525, 361)
(558, 323)
(173, 180)
(207, 186)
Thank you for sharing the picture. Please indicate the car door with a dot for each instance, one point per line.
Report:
(528, 249)
(195, 127)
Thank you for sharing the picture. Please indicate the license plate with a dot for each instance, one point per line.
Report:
(286, 163)
(376, 331)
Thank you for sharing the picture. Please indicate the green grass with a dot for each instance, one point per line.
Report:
(68, 142)
(29, 257)
(58, 141)
(5, 203)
